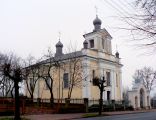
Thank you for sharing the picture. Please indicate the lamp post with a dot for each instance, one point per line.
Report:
(100, 83)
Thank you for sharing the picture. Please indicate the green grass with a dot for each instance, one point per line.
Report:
(90, 115)
(13, 118)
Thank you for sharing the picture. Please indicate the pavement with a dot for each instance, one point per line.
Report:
(79, 115)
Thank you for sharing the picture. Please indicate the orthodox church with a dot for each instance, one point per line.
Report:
(96, 60)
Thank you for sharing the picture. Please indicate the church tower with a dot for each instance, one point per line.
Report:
(99, 39)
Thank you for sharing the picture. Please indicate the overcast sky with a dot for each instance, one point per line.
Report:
(31, 26)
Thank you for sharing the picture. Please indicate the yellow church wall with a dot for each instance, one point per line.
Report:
(92, 53)
(94, 89)
(43, 93)
(95, 92)
(76, 93)
(58, 76)
(102, 54)
(118, 93)
(118, 87)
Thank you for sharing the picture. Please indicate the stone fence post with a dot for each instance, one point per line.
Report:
(38, 101)
(86, 104)
(113, 103)
(67, 102)
(123, 103)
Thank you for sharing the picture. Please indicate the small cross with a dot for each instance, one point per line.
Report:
(116, 47)
(59, 35)
(96, 10)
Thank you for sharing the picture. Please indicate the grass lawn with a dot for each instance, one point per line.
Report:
(13, 118)
(90, 115)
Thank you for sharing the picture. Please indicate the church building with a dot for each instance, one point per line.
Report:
(95, 60)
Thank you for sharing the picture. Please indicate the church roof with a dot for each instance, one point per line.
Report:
(97, 21)
(100, 31)
(64, 57)
(59, 44)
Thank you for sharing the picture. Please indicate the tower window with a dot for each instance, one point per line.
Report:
(102, 43)
(93, 73)
(91, 43)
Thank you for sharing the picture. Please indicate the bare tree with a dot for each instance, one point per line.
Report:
(32, 75)
(47, 71)
(74, 66)
(125, 94)
(6, 86)
(100, 83)
(143, 23)
(75, 73)
(11, 67)
(146, 76)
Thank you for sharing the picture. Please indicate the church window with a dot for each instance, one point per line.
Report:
(48, 82)
(93, 75)
(108, 78)
(91, 43)
(65, 80)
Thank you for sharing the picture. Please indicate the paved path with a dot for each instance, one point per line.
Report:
(55, 116)
(79, 115)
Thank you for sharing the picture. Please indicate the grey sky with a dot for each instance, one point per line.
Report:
(31, 26)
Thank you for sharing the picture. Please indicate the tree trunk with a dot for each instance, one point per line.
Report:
(31, 97)
(101, 100)
(17, 101)
(12, 92)
(70, 92)
(51, 99)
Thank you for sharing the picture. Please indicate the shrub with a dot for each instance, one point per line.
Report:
(94, 108)
(7, 113)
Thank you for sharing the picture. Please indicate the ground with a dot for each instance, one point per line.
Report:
(124, 115)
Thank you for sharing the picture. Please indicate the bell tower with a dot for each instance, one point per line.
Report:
(99, 39)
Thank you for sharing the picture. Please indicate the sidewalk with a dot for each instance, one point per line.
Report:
(79, 115)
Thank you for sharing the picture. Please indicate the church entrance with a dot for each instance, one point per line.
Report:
(141, 98)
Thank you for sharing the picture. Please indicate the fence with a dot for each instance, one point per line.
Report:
(105, 102)
(33, 106)
(153, 103)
